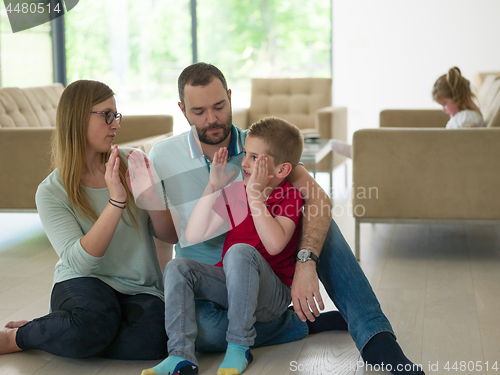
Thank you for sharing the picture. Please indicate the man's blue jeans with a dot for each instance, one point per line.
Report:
(349, 289)
(346, 285)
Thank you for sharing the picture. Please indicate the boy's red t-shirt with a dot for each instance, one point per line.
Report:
(232, 205)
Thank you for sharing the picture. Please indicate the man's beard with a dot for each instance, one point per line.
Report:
(215, 139)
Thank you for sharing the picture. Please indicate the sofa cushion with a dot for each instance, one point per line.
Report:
(44, 102)
(15, 110)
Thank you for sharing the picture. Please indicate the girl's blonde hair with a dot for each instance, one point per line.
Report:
(69, 143)
(454, 86)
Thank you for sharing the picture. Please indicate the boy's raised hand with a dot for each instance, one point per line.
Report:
(218, 177)
(259, 178)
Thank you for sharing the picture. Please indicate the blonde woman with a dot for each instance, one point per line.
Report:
(107, 298)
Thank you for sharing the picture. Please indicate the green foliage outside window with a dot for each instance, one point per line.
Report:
(140, 47)
(267, 38)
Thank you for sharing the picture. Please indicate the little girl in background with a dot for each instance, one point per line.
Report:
(453, 92)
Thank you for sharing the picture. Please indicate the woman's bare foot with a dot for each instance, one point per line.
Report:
(8, 341)
(16, 324)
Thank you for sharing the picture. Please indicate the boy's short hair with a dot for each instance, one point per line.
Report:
(284, 140)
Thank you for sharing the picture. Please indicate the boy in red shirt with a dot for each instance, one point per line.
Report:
(253, 280)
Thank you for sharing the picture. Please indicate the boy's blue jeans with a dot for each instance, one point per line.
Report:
(345, 283)
(246, 286)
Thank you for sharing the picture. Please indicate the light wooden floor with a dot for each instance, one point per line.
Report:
(438, 285)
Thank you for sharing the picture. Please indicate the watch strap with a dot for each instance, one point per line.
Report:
(314, 257)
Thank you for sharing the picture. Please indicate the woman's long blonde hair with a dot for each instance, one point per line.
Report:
(69, 143)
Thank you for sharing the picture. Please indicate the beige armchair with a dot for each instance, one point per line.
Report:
(305, 102)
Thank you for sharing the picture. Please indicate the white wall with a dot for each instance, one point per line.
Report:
(388, 53)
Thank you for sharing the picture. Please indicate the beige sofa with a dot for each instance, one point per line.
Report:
(412, 169)
(305, 102)
(27, 121)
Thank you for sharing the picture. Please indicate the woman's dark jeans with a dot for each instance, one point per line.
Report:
(89, 318)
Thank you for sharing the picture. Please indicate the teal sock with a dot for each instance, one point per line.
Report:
(236, 360)
(173, 365)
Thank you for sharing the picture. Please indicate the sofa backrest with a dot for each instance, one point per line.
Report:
(15, 110)
(44, 101)
(293, 99)
(493, 120)
(484, 96)
(413, 118)
(32, 107)
(479, 79)
(489, 99)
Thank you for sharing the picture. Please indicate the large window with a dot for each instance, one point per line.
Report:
(139, 48)
(25, 57)
(265, 39)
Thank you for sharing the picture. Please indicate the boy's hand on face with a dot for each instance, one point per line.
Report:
(218, 177)
(259, 178)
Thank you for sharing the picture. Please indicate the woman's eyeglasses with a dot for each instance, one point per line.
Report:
(110, 116)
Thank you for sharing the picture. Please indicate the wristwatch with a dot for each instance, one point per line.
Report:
(305, 254)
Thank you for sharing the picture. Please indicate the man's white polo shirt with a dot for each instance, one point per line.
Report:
(184, 171)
